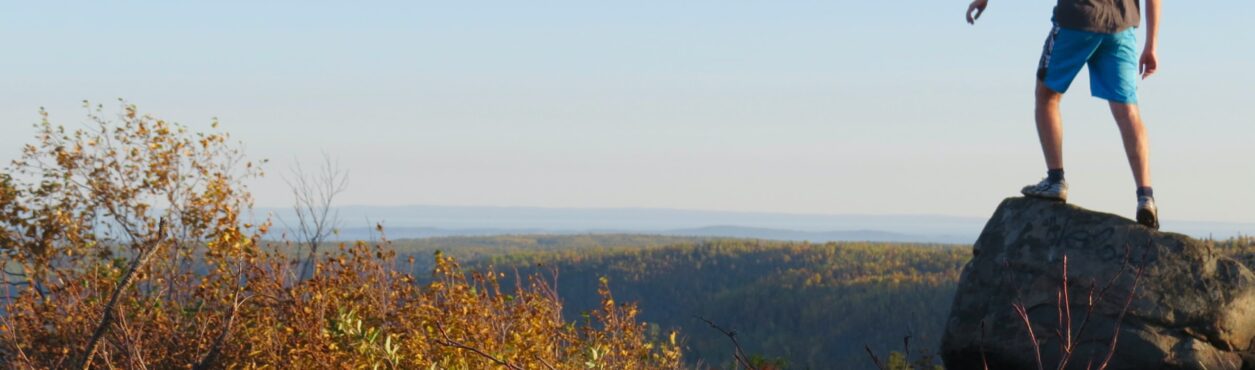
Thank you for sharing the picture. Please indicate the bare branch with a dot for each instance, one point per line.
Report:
(1063, 331)
(447, 341)
(983, 361)
(215, 350)
(875, 360)
(1115, 338)
(1023, 314)
(110, 315)
(740, 353)
(313, 195)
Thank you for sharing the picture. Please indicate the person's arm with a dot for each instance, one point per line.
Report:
(978, 6)
(1150, 61)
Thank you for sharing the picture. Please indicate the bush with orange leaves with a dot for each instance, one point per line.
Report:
(123, 246)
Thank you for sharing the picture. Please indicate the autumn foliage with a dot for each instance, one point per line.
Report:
(127, 244)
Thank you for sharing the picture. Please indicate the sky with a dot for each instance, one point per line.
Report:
(829, 107)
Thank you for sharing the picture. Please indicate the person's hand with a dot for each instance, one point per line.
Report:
(1149, 62)
(978, 7)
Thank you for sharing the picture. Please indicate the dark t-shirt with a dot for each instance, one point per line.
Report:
(1104, 16)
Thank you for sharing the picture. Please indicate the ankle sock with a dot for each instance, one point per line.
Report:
(1145, 191)
(1056, 176)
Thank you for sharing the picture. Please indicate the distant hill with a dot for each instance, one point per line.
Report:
(363, 233)
(814, 236)
(422, 221)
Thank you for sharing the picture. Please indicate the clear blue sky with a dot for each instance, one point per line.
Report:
(800, 106)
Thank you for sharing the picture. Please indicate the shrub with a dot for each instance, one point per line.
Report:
(124, 245)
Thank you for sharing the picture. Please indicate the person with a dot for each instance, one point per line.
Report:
(1100, 34)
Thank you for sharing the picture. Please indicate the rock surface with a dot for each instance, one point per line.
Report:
(1191, 308)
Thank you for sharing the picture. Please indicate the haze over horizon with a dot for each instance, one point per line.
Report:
(800, 107)
(418, 221)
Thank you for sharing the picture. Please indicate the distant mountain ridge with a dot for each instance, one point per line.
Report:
(420, 221)
(724, 231)
(815, 236)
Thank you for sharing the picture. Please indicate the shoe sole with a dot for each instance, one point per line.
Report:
(1044, 197)
(1147, 218)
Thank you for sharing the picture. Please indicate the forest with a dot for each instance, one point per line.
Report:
(803, 305)
(793, 305)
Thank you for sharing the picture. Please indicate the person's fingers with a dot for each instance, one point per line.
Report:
(1146, 68)
(974, 11)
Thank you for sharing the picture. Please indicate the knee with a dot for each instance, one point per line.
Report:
(1126, 114)
(1046, 96)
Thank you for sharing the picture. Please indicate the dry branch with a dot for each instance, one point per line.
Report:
(447, 341)
(740, 353)
(110, 311)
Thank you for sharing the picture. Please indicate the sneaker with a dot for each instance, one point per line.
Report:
(1147, 213)
(1047, 190)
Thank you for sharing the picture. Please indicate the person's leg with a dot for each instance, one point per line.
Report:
(1063, 55)
(1050, 133)
(1050, 126)
(1136, 144)
(1113, 76)
(1137, 149)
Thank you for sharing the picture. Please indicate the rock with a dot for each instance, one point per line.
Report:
(1191, 308)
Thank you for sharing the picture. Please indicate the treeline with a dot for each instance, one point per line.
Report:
(475, 248)
(1241, 248)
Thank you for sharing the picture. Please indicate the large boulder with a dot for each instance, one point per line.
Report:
(1190, 308)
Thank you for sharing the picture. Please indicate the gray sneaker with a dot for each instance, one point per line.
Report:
(1048, 190)
(1147, 213)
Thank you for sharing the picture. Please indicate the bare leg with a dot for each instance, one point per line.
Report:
(1136, 144)
(1050, 126)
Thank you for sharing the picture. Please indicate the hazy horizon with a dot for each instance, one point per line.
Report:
(414, 221)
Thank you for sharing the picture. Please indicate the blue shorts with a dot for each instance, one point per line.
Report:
(1112, 60)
